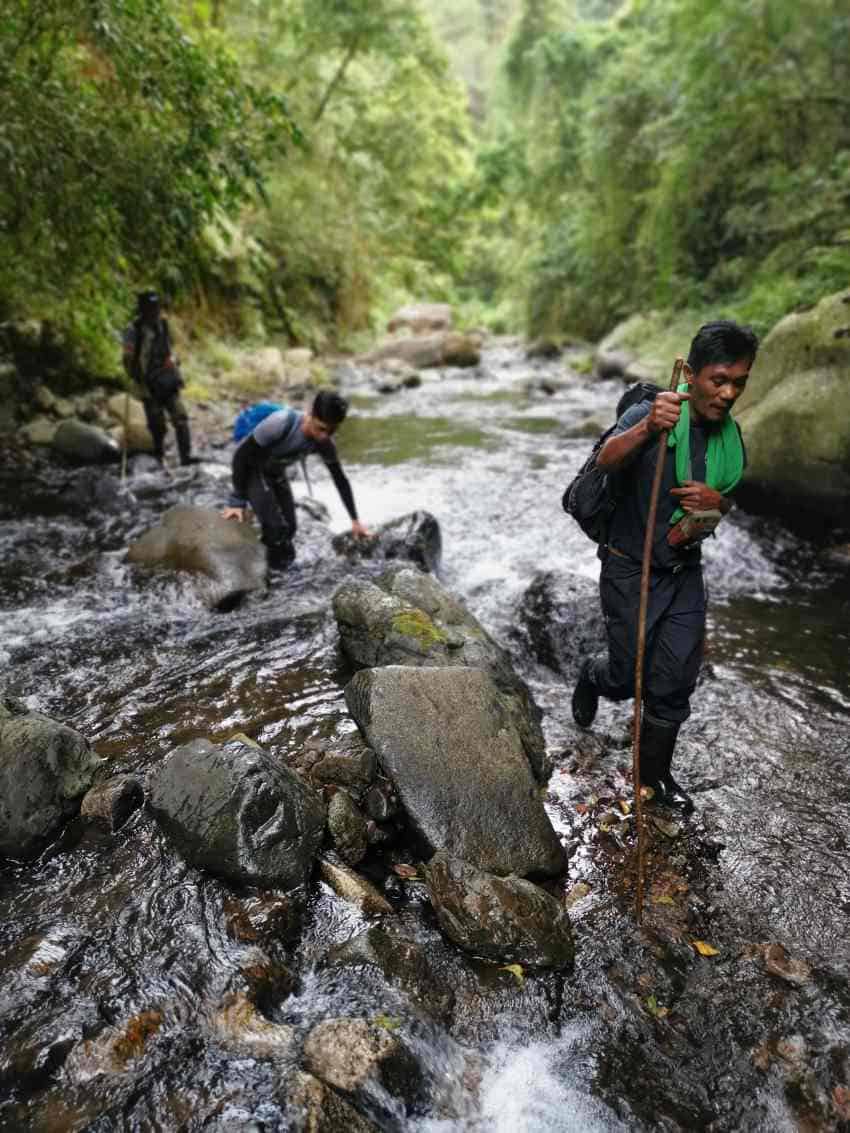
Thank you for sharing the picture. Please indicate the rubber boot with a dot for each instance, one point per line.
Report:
(184, 443)
(280, 556)
(585, 701)
(657, 743)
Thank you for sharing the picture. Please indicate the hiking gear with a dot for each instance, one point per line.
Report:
(675, 633)
(657, 741)
(641, 644)
(693, 527)
(184, 442)
(585, 703)
(280, 556)
(724, 458)
(675, 796)
(590, 497)
(250, 417)
(164, 384)
(146, 299)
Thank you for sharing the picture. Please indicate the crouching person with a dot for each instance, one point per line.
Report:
(260, 466)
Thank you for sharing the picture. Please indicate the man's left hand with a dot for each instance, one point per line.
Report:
(695, 496)
(360, 531)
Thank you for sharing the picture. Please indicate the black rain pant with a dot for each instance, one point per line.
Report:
(675, 633)
(270, 495)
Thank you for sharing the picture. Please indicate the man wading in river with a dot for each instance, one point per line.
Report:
(149, 363)
(260, 479)
(703, 463)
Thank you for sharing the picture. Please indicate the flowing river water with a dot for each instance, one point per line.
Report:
(644, 1032)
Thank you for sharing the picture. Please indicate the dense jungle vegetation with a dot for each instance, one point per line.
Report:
(297, 168)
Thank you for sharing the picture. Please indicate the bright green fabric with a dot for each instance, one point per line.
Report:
(724, 456)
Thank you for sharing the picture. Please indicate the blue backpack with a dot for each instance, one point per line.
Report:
(250, 417)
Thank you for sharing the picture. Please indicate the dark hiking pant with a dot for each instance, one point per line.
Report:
(271, 498)
(155, 413)
(675, 631)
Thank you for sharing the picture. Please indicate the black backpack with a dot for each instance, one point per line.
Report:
(591, 497)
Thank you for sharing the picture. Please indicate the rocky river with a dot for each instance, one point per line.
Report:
(140, 993)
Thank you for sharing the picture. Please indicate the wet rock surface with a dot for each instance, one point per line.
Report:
(643, 1032)
(45, 769)
(234, 811)
(507, 919)
(410, 619)
(446, 741)
(198, 540)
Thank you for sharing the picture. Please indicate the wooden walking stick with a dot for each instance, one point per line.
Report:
(641, 642)
(124, 439)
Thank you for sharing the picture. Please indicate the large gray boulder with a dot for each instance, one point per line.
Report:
(420, 318)
(795, 417)
(499, 918)
(559, 620)
(452, 749)
(422, 351)
(85, 444)
(410, 619)
(236, 812)
(414, 537)
(45, 769)
(227, 556)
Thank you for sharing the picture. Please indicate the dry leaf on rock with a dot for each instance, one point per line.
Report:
(705, 949)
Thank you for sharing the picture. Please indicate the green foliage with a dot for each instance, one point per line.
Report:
(682, 154)
(120, 138)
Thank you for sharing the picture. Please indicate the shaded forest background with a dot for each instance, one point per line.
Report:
(298, 168)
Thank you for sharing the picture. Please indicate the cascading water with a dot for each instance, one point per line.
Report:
(643, 1034)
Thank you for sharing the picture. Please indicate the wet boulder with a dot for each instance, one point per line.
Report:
(380, 956)
(351, 887)
(228, 556)
(347, 827)
(85, 444)
(111, 802)
(795, 417)
(130, 423)
(314, 1107)
(45, 769)
(91, 492)
(450, 746)
(421, 318)
(414, 537)
(445, 348)
(499, 918)
(353, 1055)
(559, 621)
(408, 618)
(236, 812)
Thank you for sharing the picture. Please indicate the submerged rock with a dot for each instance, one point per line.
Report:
(227, 554)
(238, 813)
(113, 801)
(314, 1107)
(499, 918)
(414, 537)
(448, 743)
(559, 620)
(45, 769)
(410, 619)
(349, 885)
(386, 956)
(351, 1054)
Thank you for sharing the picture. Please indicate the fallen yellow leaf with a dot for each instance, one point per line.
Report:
(663, 899)
(705, 949)
(515, 970)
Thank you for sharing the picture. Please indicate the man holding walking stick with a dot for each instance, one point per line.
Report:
(701, 463)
